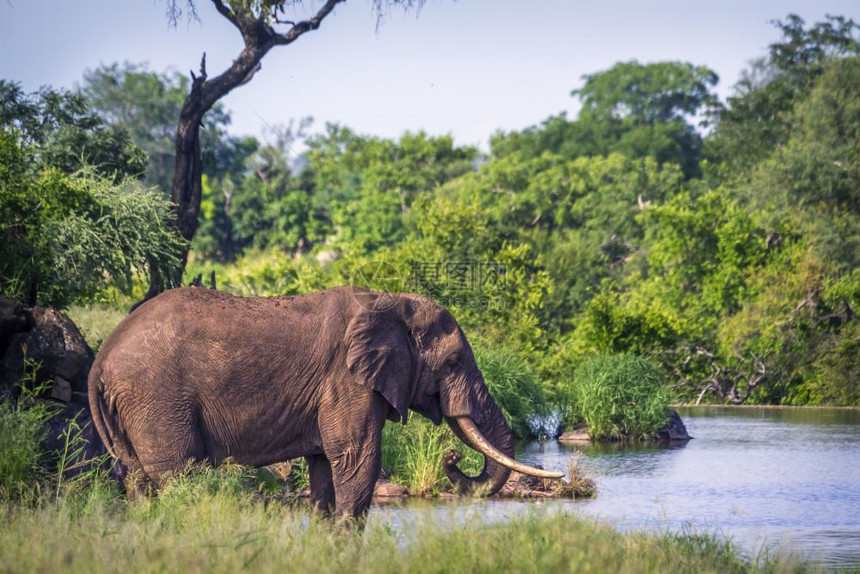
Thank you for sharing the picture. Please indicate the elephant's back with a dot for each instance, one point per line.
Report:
(196, 329)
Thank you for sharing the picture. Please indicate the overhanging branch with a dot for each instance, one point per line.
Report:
(228, 13)
(306, 25)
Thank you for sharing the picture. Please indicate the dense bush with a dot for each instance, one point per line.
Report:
(67, 237)
(619, 396)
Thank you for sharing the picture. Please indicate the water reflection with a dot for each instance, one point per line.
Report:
(761, 476)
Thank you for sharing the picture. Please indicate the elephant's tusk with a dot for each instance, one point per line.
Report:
(483, 445)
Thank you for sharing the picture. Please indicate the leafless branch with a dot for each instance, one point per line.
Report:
(810, 300)
(175, 11)
(306, 25)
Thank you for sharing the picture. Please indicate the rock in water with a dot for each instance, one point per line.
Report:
(674, 430)
(385, 489)
(579, 433)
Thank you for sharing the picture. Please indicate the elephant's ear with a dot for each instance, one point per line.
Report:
(381, 357)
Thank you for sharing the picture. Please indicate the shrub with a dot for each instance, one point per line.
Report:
(67, 237)
(619, 396)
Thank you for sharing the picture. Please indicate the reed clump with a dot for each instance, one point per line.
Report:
(619, 397)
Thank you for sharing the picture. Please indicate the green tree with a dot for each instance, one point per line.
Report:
(363, 187)
(638, 110)
(68, 236)
(63, 132)
(258, 203)
(758, 118)
(262, 25)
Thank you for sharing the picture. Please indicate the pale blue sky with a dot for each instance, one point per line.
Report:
(466, 68)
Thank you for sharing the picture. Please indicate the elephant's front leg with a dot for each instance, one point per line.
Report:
(322, 488)
(352, 442)
(355, 470)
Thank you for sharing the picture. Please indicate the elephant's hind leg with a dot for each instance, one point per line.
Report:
(166, 445)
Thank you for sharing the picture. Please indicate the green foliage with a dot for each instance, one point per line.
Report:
(814, 178)
(21, 435)
(836, 373)
(146, 105)
(513, 385)
(68, 236)
(637, 110)
(353, 192)
(619, 396)
(22, 432)
(199, 483)
(60, 130)
(705, 247)
(75, 470)
(369, 183)
(648, 93)
(96, 320)
(28, 473)
(616, 323)
(759, 117)
(256, 203)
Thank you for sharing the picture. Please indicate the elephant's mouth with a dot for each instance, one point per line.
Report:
(480, 443)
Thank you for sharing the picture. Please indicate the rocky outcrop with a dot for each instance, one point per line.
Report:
(49, 338)
(578, 434)
(386, 489)
(674, 430)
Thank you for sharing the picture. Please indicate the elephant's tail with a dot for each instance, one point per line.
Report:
(105, 421)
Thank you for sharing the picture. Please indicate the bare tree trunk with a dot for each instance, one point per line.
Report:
(259, 37)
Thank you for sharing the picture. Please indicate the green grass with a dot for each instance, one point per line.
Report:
(414, 454)
(261, 274)
(97, 320)
(22, 432)
(20, 449)
(204, 522)
(619, 396)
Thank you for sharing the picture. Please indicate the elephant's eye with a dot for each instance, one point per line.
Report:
(452, 363)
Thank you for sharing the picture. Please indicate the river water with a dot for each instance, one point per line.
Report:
(785, 478)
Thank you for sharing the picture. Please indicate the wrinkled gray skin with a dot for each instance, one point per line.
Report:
(197, 374)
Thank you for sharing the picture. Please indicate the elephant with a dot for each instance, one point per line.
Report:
(202, 375)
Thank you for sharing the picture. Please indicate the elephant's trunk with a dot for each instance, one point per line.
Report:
(487, 432)
(494, 474)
